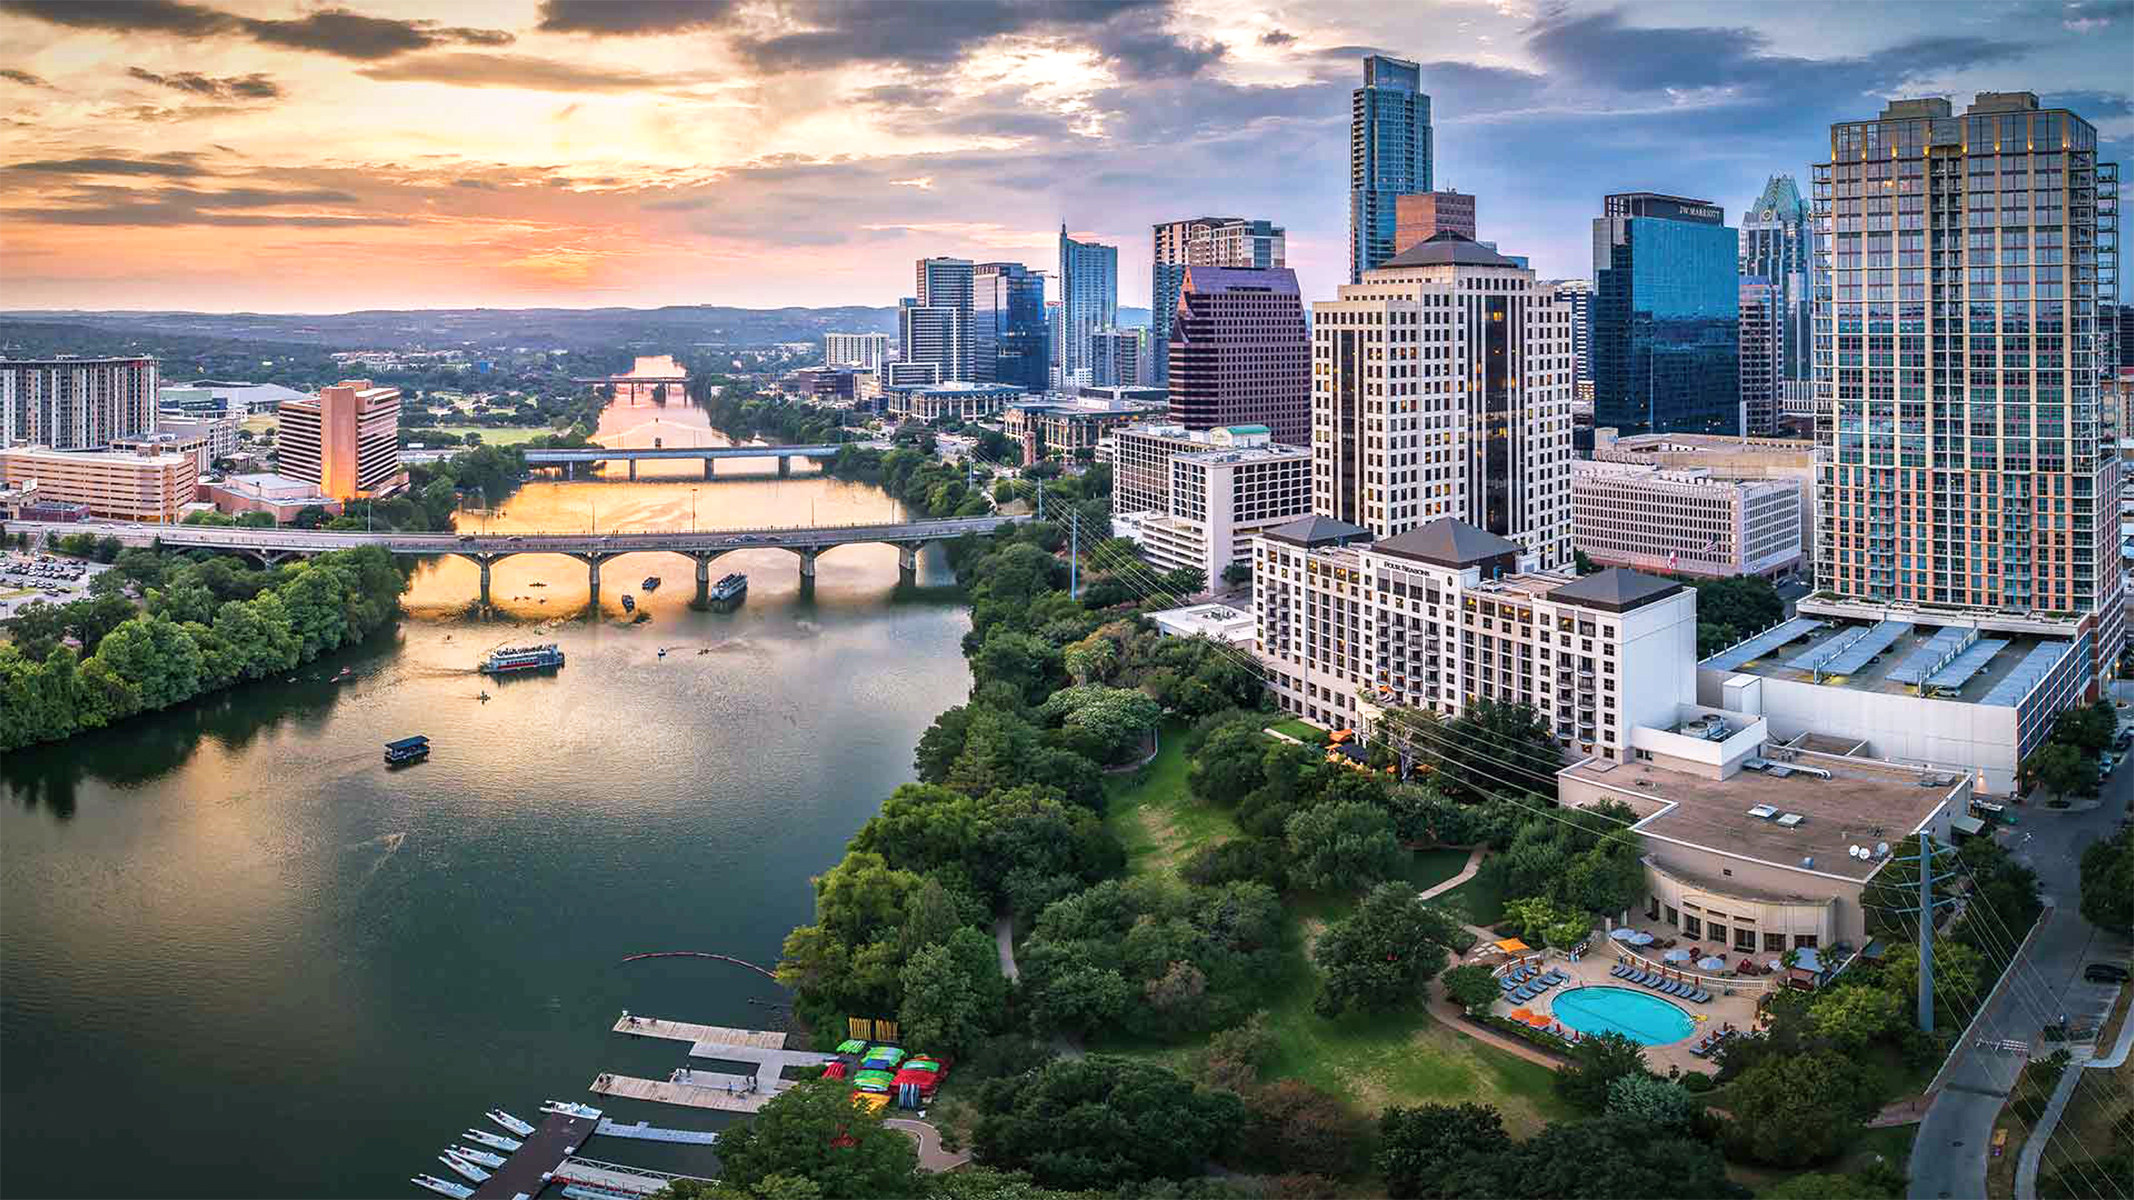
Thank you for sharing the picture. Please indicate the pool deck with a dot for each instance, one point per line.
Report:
(1592, 970)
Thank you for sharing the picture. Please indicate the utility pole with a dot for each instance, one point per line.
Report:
(1040, 499)
(1074, 552)
(1926, 932)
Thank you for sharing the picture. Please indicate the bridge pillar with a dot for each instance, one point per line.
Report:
(592, 582)
(483, 563)
(570, 470)
(807, 566)
(703, 599)
(907, 565)
(707, 467)
(633, 468)
(785, 464)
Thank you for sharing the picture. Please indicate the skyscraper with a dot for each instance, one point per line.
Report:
(1239, 355)
(1441, 387)
(1776, 244)
(863, 350)
(935, 324)
(1578, 293)
(1089, 301)
(1423, 215)
(1966, 263)
(1666, 316)
(1115, 357)
(1008, 337)
(346, 439)
(1763, 343)
(1208, 242)
(1389, 155)
(76, 403)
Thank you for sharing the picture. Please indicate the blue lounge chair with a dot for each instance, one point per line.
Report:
(1666, 986)
(1633, 975)
(1620, 970)
(1507, 985)
(1523, 995)
(1653, 981)
(1674, 989)
(1703, 997)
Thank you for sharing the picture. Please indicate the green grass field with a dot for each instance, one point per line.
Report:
(1481, 898)
(1310, 735)
(490, 437)
(1374, 1061)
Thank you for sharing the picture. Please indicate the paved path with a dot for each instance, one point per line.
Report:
(2026, 1167)
(932, 1155)
(1474, 863)
(1004, 935)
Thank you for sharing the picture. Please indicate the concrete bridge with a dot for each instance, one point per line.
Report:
(569, 459)
(485, 550)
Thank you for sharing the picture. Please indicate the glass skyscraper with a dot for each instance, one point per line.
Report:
(1962, 456)
(1389, 155)
(1009, 342)
(1201, 242)
(1089, 301)
(1666, 316)
(1777, 243)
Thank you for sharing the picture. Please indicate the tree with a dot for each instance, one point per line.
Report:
(1855, 1016)
(1582, 564)
(1291, 1126)
(1596, 1063)
(1236, 573)
(1652, 1102)
(2108, 882)
(1237, 1055)
(1380, 956)
(814, 1131)
(1442, 1150)
(1472, 985)
(1105, 723)
(953, 992)
(1182, 582)
(2062, 769)
(1100, 1122)
(1228, 763)
(1343, 845)
(1794, 1110)
(1615, 1157)
(1815, 1185)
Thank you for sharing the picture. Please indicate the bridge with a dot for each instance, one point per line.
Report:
(485, 550)
(569, 459)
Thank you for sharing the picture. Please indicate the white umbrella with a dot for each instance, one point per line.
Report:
(1641, 939)
(1623, 934)
(1776, 963)
(1714, 963)
(1678, 954)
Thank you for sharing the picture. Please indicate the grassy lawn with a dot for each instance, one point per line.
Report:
(1155, 818)
(490, 436)
(1481, 898)
(2098, 1115)
(1310, 735)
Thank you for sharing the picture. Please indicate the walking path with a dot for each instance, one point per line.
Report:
(2033, 1156)
(932, 1155)
(1474, 863)
(1004, 935)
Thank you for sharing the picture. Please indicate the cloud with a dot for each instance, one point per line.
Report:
(108, 205)
(235, 87)
(22, 77)
(631, 17)
(924, 183)
(469, 68)
(821, 34)
(2088, 16)
(1278, 37)
(335, 31)
(174, 167)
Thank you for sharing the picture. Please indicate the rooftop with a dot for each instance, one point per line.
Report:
(1615, 590)
(1865, 801)
(1447, 542)
(1999, 663)
(1447, 248)
(1316, 531)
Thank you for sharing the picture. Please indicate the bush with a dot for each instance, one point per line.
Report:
(1261, 860)
(1472, 986)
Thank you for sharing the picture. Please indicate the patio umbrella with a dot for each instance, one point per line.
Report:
(1679, 954)
(1522, 1014)
(1714, 963)
(1776, 963)
(1641, 938)
(1623, 934)
(1537, 1020)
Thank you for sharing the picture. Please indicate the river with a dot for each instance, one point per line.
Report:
(241, 958)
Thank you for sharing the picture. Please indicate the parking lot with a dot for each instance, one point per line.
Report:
(26, 578)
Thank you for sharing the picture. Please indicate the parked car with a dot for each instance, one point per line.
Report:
(2098, 972)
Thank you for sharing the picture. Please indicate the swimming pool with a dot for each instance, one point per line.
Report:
(1640, 1016)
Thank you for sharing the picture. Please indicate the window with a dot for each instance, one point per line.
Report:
(1804, 941)
(1692, 927)
(1673, 918)
(1744, 939)
(1775, 941)
(1718, 934)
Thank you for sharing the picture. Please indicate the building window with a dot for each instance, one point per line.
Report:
(1692, 927)
(1804, 941)
(1718, 933)
(1744, 939)
(1673, 917)
(1775, 941)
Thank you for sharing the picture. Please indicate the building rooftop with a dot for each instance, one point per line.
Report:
(1447, 542)
(1282, 281)
(1863, 803)
(1990, 664)
(1316, 531)
(1448, 248)
(1616, 590)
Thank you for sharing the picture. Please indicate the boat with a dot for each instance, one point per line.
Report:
(476, 1156)
(629, 603)
(572, 1110)
(347, 673)
(511, 659)
(536, 583)
(407, 750)
(495, 1141)
(663, 652)
(732, 587)
(651, 583)
(464, 1167)
(443, 1187)
(509, 1122)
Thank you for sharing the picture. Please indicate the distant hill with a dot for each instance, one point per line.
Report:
(671, 329)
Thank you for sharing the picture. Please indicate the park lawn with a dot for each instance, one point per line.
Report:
(507, 436)
(1310, 735)
(1481, 898)
(1156, 818)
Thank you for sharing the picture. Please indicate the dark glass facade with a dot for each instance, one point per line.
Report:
(1009, 339)
(1666, 318)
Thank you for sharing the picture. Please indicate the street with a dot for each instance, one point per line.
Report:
(1949, 1154)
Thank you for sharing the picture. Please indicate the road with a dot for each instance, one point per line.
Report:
(1949, 1154)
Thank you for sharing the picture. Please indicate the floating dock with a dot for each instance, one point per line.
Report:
(718, 1099)
(526, 1172)
(645, 1131)
(684, 1031)
(719, 1091)
(614, 1178)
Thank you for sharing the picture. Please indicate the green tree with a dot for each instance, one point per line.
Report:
(1102, 1122)
(1796, 1110)
(1343, 846)
(1442, 1150)
(2108, 882)
(155, 658)
(814, 1131)
(1596, 1063)
(1472, 985)
(1814, 1185)
(1381, 956)
(952, 992)
(1292, 1127)
(1652, 1102)
(2062, 769)
(1856, 1015)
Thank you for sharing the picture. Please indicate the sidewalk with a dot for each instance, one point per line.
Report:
(2033, 1156)
(1474, 863)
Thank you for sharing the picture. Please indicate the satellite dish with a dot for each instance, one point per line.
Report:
(1881, 849)
(1856, 851)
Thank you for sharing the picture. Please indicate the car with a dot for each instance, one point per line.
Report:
(2098, 972)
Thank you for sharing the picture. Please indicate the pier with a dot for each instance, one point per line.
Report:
(715, 1090)
(615, 1178)
(717, 1099)
(527, 1171)
(644, 1131)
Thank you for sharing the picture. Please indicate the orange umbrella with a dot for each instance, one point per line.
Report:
(1522, 1014)
(1537, 1020)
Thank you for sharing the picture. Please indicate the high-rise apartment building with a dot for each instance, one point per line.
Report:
(76, 403)
(1441, 387)
(1389, 155)
(935, 324)
(1666, 312)
(1089, 301)
(867, 351)
(346, 440)
(1008, 340)
(1207, 242)
(1239, 354)
(1966, 263)
(1420, 216)
(1763, 351)
(1777, 243)
(1115, 357)
(1578, 294)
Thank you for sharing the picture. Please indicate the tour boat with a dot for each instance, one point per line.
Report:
(509, 1122)
(732, 587)
(407, 750)
(522, 658)
(651, 583)
(443, 1187)
(572, 1110)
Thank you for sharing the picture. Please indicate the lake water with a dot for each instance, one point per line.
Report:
(238, 957)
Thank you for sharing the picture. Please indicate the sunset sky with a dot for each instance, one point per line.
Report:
(277, 156)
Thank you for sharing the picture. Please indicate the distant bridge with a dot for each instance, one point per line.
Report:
(592, 549)
(569, 459)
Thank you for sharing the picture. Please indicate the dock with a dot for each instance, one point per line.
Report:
(718, 1099)
(762, 1049)
(645, 1131)
(615, 1178)
(684, 1031)
(526, 1172)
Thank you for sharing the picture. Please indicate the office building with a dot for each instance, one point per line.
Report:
(208, 438)
(1750, 460)
(346, 440)
(1239, 353)
(1207, 242)
(1194, 498)
(867, 351)
(1008, 337)
(1577, 295)
(1420, 216)
(1666, 316)
(1684, 521)
(1389, 156)
(1441, 387)
(193, 444)
(1089, 301)
(76, 403)
(1961, 455)
(1762, 342)
(1441, 615)
(899, 373)
(957, 400)
(824, 385)
(1067, 427)
(120, 485)
(1116, 356)
(1778, 243)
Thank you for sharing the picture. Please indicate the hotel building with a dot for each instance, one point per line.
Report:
(121, 485)
(76, 403)
(346, 440)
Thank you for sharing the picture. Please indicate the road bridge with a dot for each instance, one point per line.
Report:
(591, 548)
(569, 459)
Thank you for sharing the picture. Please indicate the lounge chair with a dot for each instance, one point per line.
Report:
(1668, 986)
(1678, 988)
(1702, 996)
(1619, 970)
(1633, 975)
(1508, 986)
(1654, 981)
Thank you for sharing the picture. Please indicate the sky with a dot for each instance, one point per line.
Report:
(287, 156)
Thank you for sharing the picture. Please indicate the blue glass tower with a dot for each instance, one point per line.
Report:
(1009, 341)
(1666, 317)
(1089, 300)
(1389, 155)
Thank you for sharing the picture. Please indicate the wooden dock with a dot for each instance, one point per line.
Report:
(684, 1031)
(525, 1172)
(647, 1132)
(687, 1095)
(761, 1049)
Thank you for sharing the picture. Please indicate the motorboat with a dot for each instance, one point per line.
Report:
(509, 1122)
(443, 1187)
(464, 1167)
(476, 1156)
(572, 1110)
(495, 1141)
